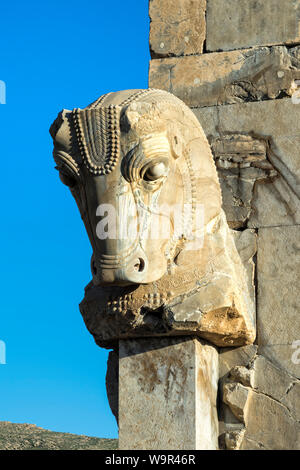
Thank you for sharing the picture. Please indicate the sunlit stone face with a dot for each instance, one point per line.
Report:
(131, 198)
(164, 263)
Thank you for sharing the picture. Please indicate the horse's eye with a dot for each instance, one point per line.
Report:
(155, 172)
(68, 180)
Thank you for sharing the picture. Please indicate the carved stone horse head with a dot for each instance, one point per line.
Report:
(141, 171)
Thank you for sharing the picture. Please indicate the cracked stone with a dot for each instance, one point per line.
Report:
(172, 382)
(245, 242)
(265, 416)
(112, 382)
(232, 152)
(177, 27)
(233, 439)
(228, 77)
(269, 379)
(237, 397)
(278, 271)
(236, 24)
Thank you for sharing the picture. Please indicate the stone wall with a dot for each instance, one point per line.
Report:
(236, 64)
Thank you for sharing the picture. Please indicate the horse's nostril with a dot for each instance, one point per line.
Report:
(139, 265)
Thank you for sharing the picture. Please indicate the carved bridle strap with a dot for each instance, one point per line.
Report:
(97, 130)
(98, 136)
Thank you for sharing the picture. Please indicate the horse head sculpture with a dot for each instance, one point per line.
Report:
(141, 171)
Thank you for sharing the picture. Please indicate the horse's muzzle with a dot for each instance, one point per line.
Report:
(120, 270)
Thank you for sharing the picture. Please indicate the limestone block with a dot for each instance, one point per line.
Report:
(245, 242)
(231, 357)
(228, 77)
(270, 426)
(278, 270)
(229, 360)
(242, 160)
(276, 383)
(169, 391)
(237, 397)
(236, 24)
(234, 439)
(164, 261)
(264, 192)
(292, 400)
(269, 379)
(177, 27)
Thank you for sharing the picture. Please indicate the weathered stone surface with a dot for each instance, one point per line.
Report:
(278, 270)
(234, 439)
(269, 379)
(292, 400)
(228, 421)
(164, 261)
(259, 397)
(271, 382)
(169, 392)
(228, 77)
(254, 196)
(237, 397)
(242, 375)
(246, 244)
(242, 161)
(229, 358)
(203, 308)
(270, 425)
(236, 24)
(177, 27)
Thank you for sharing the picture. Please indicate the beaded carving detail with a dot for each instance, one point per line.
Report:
(98, 136)
(97, 130)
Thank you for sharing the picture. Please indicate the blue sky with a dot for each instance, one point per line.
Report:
(54, 55)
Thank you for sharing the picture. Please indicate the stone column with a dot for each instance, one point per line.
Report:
(167, 394)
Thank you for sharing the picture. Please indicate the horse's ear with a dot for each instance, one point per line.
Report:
(176, 145)
(59, 130)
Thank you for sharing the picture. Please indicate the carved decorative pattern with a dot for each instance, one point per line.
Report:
(98, 134)
(136, 96)
(97, 130)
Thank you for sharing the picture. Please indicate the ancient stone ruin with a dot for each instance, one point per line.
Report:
(236, 64)
(140, 154)
(189, 194)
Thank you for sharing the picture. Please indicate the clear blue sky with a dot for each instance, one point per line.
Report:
(54, 55)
